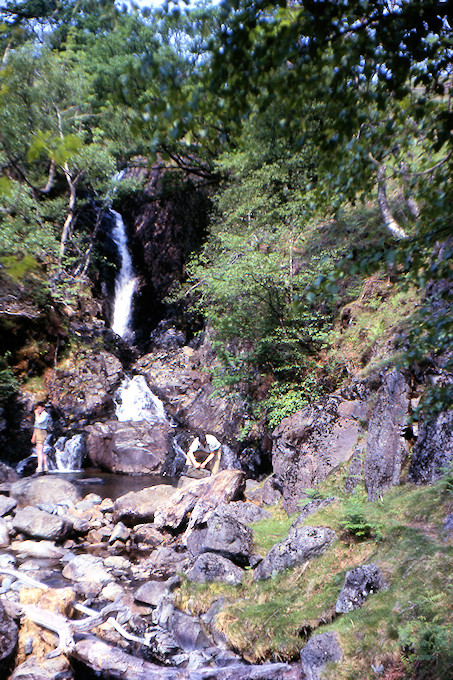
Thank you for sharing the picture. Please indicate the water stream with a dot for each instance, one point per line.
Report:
(125, 283)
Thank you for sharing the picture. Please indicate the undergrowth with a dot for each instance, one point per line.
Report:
(400, 633)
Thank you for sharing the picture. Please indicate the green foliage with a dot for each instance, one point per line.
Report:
(9, 384)
(355, 520)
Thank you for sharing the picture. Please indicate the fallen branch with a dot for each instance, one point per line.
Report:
(115, 663)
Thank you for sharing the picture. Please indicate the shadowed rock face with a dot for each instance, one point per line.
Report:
(312, 443)
(386, 450)
(164, 228)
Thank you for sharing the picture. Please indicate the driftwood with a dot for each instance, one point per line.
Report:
(114, 663)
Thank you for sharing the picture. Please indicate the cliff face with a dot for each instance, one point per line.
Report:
(164, 226)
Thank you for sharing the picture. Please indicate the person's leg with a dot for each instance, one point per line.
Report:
(40, 454)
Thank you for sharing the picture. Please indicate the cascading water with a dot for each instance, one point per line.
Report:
(135, 402)
(125, 283)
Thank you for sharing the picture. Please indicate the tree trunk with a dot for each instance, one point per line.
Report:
(390, 222)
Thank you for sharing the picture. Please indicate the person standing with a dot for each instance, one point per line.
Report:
(40, 431)
(204, 453)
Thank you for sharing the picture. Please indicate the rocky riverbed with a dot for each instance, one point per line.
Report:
(66, 557)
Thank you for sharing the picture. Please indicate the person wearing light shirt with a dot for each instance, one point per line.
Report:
(40, 431)
(204, 453)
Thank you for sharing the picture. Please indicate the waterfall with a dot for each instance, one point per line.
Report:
(70, 453)
(135, 402)
(125, 282)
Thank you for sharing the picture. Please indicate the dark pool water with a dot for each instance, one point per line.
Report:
(108, 485)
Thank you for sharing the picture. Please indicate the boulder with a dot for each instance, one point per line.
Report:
(243, 511)
(138, 507)
(47, 489)
(39, 524)
(433, 450)
(7, 474)
(4, 534)
(210, 567)
(8, 641)
(130, 447)
(386, 448)
(178, 379)
(358, 584)
(6, 505)
(86, 568)
(225, 486)
(187, 631)
(314, 441)
(223, 535)
(86, 390)
(300, 545)
(153, 592)
(319, 650)
(38, 549)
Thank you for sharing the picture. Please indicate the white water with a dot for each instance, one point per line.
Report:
(135, 402)
(70, 453)
(125, 283)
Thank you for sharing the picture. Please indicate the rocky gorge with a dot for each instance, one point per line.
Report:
(153, 583)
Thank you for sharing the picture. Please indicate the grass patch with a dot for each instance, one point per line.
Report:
(404, 631)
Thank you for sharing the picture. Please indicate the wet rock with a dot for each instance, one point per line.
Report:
(223, 535)
(137, 507)
(319, 650)
(38, 549)
(86, 568)
(130, 447)
(358, 584)
(300, 545)
(225, 486)
(6, 505)
(33, 522)
(433, 450)
(209, 567)
(314, 441)
(8, 640)
(386, 448)
(44, 490)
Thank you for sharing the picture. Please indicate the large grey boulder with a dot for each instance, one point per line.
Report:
(48, 490)
(433, 450)
(386, 448)
(210, 567)
(225, 486)
(86, 569)
(300, 545)
(314, 441)
(39, 524)
(319, 650)
(86, 390)
(130, 447)
(6, 505)
(223, 535)
(358, 584)
(138, 507)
